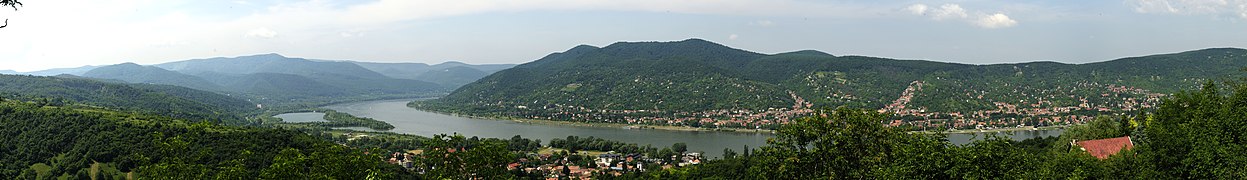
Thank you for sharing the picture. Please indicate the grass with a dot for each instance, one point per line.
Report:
(41, 169)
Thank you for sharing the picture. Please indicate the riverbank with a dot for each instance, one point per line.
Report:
(601, 125)
(972, 131)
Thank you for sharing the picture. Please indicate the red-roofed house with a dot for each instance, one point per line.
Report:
(1102, 148)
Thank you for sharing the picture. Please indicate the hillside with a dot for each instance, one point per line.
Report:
(269, 63)
(134, 73)
(450, 74)
(686, 82)
(74, 142)
(164, 100)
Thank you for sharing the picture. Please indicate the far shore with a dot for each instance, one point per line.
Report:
(699, 129)
(1010, 129)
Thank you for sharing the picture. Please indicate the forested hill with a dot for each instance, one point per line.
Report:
(75, 142)
(700, 76)
(165, 100)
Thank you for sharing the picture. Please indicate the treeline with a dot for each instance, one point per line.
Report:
(340, 119)
(1193, 135)
(44, 142)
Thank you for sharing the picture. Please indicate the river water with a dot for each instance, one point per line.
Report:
(411, 121)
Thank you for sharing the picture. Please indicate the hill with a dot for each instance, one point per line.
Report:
(58, 71)
(453, 76)
(272, 79)
(694, 81)
(75, 142)
(134, 73)
(270, 63)
(450, 74)
(164, 100)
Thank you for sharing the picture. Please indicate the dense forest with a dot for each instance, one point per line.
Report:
(46, 141)
(173, 101)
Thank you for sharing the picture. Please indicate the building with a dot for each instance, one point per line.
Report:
(1103, 148)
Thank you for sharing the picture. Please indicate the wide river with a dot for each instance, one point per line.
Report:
(411, 121)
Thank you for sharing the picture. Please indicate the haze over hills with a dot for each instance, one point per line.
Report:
(673, 82)
(451, 74)
(272, 78)
(52, 72)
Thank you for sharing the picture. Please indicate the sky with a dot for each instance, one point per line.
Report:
(73, 33)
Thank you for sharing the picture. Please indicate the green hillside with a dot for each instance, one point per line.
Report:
(678, 82)
(178, 102)
(134, 73)
(45, 142)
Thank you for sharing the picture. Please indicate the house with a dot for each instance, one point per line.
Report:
(1102, 148)
(606, 159)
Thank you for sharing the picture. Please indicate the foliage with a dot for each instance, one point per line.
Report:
(456, 157)
(68, 139)
(165, 100)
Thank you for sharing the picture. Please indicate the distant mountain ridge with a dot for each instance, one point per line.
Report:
(274, 78)
(640, 81)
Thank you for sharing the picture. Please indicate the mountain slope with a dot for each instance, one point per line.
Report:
(450, 74)
(270, 63)
(453, 76)
(134, 73)
(165, 100)
(682, 82)
(58, 71)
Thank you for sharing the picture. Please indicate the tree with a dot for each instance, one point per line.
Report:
(9, 3)
(679, 147)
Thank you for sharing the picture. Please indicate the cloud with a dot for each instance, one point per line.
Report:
(263, 33)
(948, 11)
(994, 21)
(732, 37)
(917, 9)
(955, 12)
(1227, 8)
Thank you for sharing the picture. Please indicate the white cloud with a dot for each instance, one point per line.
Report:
(948, 11)
(1228, 8)
(917, 9)
(264, 33)
(955, 12)
(732, 37)
(994, 21)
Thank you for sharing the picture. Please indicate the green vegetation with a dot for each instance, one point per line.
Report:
(67, 141)
(1193, 135)
(340, 119)
(177, 102)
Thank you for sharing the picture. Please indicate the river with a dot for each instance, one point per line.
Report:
(411, 121)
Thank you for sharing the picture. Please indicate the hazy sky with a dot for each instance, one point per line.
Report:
(69, 33)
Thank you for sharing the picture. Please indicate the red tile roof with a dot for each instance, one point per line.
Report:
(1102, 148)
